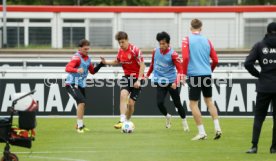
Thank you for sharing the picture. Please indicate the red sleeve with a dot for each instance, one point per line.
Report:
(178, 64)
(72, 66)
(151, 64)
(138, 55)
(185, 54)
(91, 68)
(213, 56)
(118, 56)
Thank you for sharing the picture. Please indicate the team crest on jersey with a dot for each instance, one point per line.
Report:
(129, 56)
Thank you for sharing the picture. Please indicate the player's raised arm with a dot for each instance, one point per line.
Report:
(94, 70)
(112, 62)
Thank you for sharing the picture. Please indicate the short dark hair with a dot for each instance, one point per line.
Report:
(83, 42)
(121, 35)
(196, 24)
(271, 28)
(163, 36)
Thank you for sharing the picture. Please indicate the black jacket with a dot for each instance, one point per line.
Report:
(265, 52)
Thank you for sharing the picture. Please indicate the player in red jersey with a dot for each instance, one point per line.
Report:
(133, 65)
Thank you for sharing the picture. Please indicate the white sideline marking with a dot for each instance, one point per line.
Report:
(84, 147)
(139, 116)
(55, 152)
(56, 158)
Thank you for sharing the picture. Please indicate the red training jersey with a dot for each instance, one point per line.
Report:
(130, 60)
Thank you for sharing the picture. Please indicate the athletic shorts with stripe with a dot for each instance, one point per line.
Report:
(127, 83)
(78, 93)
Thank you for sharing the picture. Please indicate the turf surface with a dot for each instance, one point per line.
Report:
(57, 140)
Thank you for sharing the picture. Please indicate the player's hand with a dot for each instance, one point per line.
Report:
(137, 84)
(103, 60)
(173, 86)
(183, 80)
(80, 70)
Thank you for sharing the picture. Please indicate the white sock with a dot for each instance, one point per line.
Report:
(185, 123)
(168, 115)
(201, 129)
(79, 123)
(216, 123)
(122, 118)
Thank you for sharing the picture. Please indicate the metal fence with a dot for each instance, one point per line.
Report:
(229, 29)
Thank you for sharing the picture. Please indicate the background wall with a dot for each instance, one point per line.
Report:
(64, 26)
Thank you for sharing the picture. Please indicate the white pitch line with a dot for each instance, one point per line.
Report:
(56, 158)
(54, 152)
(77, 148)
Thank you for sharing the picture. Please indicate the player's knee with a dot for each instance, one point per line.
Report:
(123, 95)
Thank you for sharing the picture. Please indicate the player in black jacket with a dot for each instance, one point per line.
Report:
(265, 52)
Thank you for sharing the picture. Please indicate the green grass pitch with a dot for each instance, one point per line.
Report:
(57, 140)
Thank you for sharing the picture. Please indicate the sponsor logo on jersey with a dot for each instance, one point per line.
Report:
(265, 50)
(269, 51)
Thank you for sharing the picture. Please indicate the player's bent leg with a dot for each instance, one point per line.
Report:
(161, 93)
(177, 103)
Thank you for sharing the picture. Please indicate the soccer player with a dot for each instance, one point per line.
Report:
(265, 52)
(77, 70)
(133, 65)
(163, 63)
(196, 52)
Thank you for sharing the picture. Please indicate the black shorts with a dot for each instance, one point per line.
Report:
(197, 84)
(127, 83)
(78, 93)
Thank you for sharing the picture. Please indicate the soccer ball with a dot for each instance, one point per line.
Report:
(128, 127)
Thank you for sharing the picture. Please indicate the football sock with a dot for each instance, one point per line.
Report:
(201, 129)
(79, 123)
(122, 118)
(216, 123)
